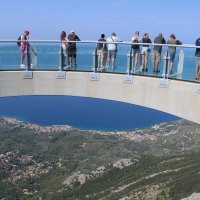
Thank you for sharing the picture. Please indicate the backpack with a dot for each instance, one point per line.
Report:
(19, 40)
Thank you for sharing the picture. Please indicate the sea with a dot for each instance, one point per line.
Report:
(79, 112)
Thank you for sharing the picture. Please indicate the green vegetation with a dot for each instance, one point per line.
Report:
(49, 165)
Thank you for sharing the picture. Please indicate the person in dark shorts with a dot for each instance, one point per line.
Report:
(135, 50)
(101, 51)
(71, 48)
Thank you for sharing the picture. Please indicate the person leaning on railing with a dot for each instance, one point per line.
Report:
(101, 51)
(197, 58)
(172, 51)
(112, 49)
(71, 48)
(135, 50)
(145, 52)
(157, 50)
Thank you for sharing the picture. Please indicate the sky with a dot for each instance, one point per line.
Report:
(45, 19)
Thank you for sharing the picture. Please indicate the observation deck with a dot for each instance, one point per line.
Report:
(46, 74)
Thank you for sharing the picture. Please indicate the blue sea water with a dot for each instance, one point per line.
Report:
(83, 113)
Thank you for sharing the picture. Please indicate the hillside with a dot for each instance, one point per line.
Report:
(161, 162)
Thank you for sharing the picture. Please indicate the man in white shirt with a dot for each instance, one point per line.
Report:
(112, 49)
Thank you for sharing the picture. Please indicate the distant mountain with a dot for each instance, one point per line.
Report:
(60, 162)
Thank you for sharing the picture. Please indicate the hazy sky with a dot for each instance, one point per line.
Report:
(89, 18)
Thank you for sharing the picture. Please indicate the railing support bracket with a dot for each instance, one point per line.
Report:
(164, 83)
(198, 88)
(27, 75)
(94, 76)
(128, 79)
(61, 75)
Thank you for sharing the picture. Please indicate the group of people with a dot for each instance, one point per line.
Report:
(107, 50)
(136, 50)
(102, 50)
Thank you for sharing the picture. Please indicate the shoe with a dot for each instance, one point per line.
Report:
(197, 79)
(114, 67)
(157, 71)
(146, 70)
(22, 66)
(66, 67)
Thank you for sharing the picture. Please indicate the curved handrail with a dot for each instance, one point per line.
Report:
(96, 41)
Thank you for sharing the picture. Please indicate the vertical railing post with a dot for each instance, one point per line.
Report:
(95, 60)
(165, 65)
(61, 58)
(180, 63)
(129, 62)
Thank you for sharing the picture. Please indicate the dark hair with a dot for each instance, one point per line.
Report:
(102, 35)
(62, 35)
(113, 34)
(173, 36)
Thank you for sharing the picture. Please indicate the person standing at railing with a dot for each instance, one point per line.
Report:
(157, 50)
(24, 46)
(135, 50)
(172, 51)
(71, 48)
(145, 52)
(101, 51)
(112, 49)
(197, 58)
(63, 39)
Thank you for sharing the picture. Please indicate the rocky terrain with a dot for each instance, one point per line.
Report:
(60, 162)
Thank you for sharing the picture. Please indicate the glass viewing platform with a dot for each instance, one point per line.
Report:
(49, 56)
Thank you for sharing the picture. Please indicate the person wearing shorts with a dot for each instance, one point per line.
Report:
(101, 51)
(112, 49)
(135, 50)
(71, 48)
(172, 51)
(145, 52)
(197, 59)
(156, 55)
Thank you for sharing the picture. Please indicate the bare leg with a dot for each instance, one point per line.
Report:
(146, 60)
(136, 59)
(143, 61)
(171, 67)
(108, 60)
(113, 62)
(153, 63)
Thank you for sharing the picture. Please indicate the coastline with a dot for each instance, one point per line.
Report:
(137, 135)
